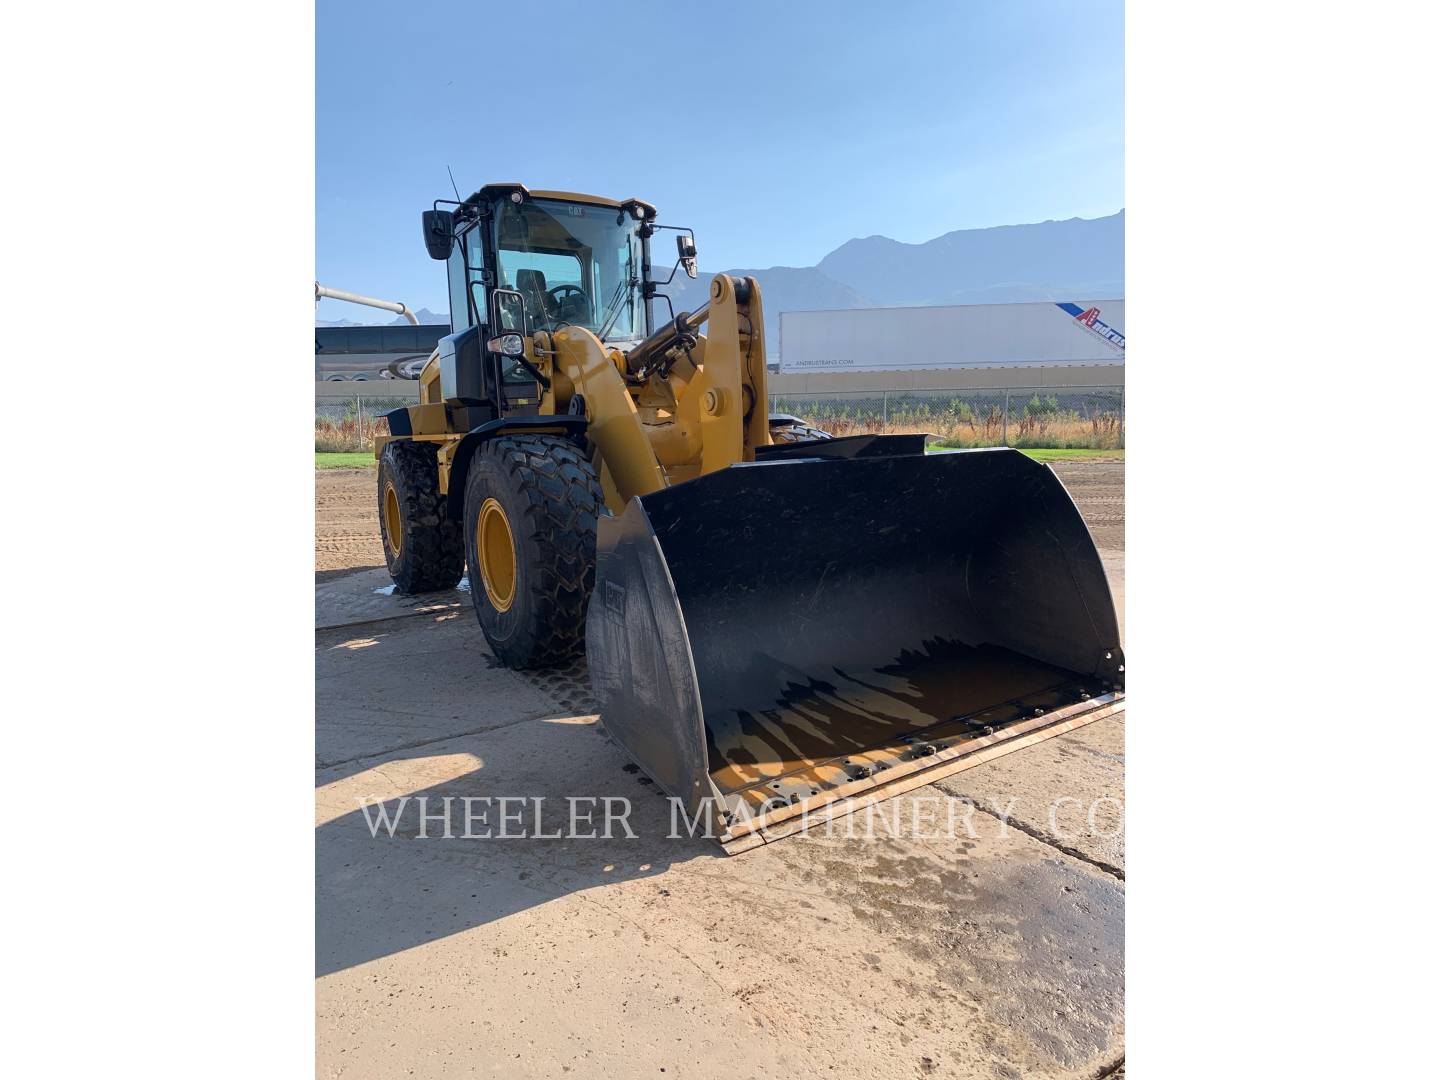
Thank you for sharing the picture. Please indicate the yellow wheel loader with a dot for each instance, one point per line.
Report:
(779, 625)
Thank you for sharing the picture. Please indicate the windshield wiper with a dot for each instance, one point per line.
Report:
(612, 310)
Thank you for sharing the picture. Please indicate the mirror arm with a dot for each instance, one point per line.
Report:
(519, 357)
(533, 370)
(671, 277)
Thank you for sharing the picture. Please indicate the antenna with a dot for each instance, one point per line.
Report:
(454, 185)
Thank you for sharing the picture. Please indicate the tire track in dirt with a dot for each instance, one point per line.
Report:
(347, 523)
(1098, 488)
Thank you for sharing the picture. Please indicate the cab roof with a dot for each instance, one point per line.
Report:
(501, 190)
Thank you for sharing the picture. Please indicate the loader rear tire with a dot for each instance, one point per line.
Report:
(424, 551)
(531, 502)
(793, 433)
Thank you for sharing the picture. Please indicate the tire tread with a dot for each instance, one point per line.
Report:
(562, 499)
(433, 554)
(795, 433)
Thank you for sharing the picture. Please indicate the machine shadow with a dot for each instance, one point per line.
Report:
(366, 706)
(378, 894)
(324, 576)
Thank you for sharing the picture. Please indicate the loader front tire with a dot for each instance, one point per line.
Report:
(424, 551)
(531, 502)
(792, 432)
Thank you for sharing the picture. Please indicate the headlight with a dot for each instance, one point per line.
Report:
(507, 345)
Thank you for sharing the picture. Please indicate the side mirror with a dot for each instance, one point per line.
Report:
(508, 312)
(439, 229)
(685, 245)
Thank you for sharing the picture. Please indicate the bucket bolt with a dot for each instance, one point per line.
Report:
(976, 726)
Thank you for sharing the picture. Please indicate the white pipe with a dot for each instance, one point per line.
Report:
(368, 301)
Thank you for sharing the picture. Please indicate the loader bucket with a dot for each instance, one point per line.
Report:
(842, 621)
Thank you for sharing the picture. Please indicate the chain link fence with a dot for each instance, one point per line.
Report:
(1029, 417)
(348, 424)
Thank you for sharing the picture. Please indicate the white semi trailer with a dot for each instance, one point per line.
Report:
(1078, 333)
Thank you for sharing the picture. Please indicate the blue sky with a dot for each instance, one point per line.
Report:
(778, 130)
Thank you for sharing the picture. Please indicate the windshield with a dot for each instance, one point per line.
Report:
(574, 265)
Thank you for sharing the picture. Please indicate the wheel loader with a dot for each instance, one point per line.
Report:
(779, 626)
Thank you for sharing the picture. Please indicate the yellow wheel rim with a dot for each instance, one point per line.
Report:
(394, 531)
(496, 548)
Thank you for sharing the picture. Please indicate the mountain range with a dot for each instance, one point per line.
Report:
(1080, 258)
(1050, 260)
(425, 315)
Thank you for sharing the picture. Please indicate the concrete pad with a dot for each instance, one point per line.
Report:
(902, 955)
(1068, 791)
(383, 686)
(370, 595)
(893, 945)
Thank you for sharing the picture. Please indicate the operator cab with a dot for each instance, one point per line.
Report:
(573, 264)
(521, 261)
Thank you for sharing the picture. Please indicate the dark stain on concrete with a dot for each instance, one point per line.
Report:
(1034, 945)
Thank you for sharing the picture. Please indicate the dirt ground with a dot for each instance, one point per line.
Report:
(1098, 488)
(347, 522)
(347, 531)
(994, 950)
